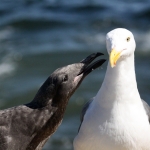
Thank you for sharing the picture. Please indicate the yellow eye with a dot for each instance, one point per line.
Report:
(128, 39)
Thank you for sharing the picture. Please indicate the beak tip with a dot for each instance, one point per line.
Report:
(112, 65)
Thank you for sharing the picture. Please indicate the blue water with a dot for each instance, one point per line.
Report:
(37, 37)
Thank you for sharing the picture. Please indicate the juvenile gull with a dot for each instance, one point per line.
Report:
(117, 118)
(27, 127)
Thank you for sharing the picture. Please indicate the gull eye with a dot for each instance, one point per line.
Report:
(128, 39)
(65, 78)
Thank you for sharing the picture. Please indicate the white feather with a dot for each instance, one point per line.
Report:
(116, 119)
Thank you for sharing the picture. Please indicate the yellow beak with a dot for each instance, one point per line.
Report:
(113, 58)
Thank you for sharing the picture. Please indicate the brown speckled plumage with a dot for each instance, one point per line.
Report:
(28, 127)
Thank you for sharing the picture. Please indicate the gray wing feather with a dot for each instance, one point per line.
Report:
(85, 107)
(147, 109)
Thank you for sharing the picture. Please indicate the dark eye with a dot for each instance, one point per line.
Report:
(65, 78)
(128, 39)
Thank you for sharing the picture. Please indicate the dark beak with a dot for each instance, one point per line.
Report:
(88, 67)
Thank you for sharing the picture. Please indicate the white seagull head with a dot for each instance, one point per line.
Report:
(120, 44)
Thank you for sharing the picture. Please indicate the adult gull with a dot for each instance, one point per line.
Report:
(117, 118)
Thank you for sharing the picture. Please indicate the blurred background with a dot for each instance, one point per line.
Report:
(39, 36)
